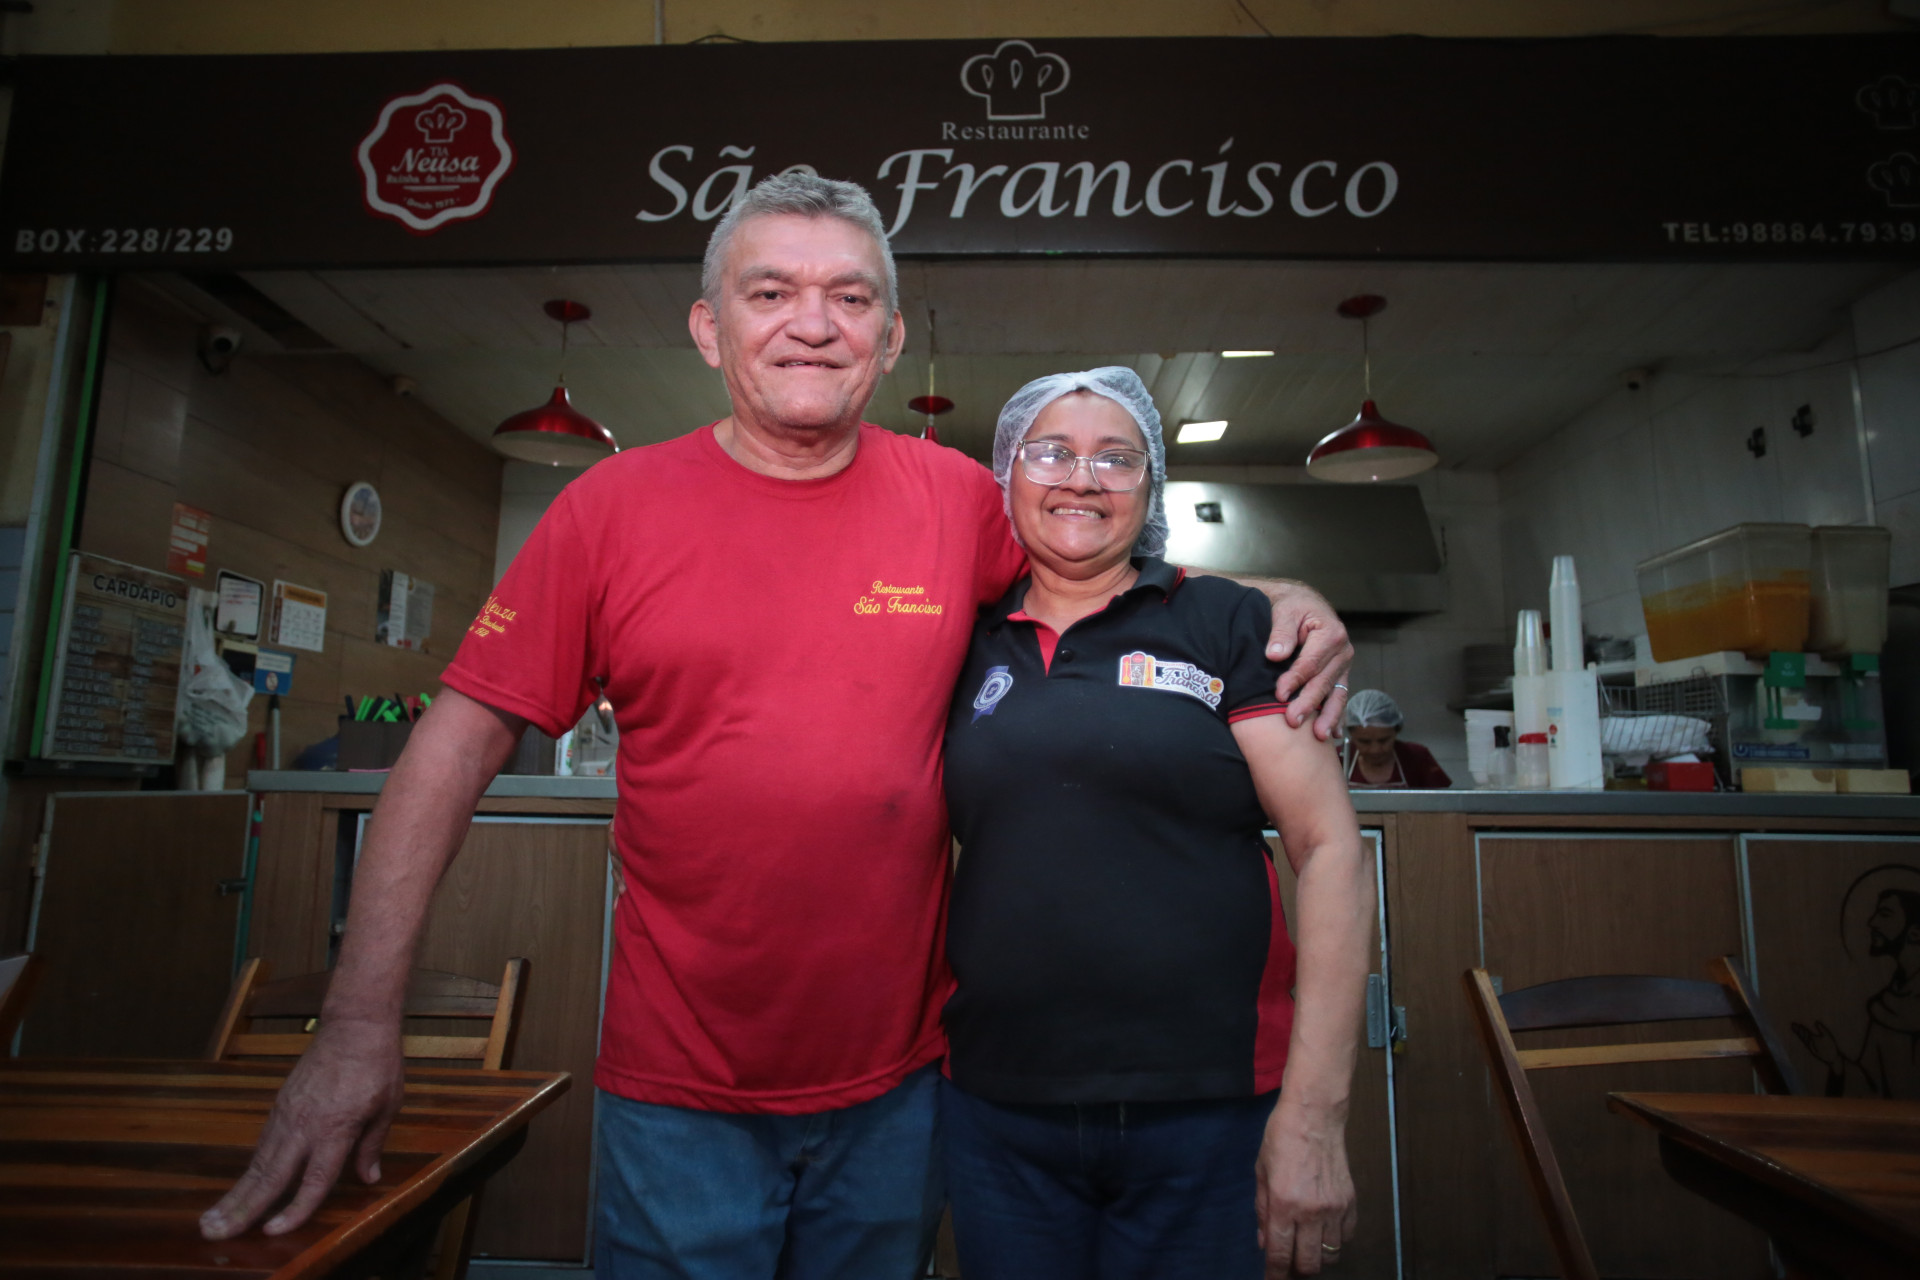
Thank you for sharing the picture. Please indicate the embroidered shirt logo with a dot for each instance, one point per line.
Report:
(493, 618)
(995, 687)
(885, 597)
(1144, 671)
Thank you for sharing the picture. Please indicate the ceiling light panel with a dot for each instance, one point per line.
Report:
(1201, 432)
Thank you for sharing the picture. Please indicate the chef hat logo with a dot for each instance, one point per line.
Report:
(1898, 179)
(439, 122)
(1015, 80)
(1892, 101)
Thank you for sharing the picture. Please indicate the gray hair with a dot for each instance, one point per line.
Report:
(802, 192)
(1117, 383)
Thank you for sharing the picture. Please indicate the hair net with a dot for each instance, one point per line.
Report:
(1117, 383)
(1372, 709)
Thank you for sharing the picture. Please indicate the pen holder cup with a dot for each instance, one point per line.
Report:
(372, 744)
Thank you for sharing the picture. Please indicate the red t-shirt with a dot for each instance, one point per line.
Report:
(780, 656)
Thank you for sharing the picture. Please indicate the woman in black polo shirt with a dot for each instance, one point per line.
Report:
(1133, 1091)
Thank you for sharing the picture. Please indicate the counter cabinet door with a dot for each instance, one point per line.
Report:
(135, 918)
(1836, 926)
(1564, 904)
(1374, 1253)
(536, 887)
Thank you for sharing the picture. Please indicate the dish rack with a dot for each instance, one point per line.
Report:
(1665, 711)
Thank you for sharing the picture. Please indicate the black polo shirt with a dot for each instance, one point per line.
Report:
(1115, 930)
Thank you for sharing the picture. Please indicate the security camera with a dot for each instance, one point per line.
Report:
(218, 343)
(1635, 379)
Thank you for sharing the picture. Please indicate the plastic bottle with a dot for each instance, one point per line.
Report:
(1530, 771)
(1529, 701)
(1500, 763)
(1573, 730)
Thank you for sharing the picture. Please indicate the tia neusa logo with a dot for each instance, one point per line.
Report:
(1893, 102)
(434, 157)
(995, 687)
(1015, 80)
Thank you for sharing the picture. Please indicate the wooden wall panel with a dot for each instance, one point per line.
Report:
(25, 803)
(1557, 907)
(1445, 1129)
(536, 890)
(137, 937)
(269, 448)
(1827, 917)
(293, 884)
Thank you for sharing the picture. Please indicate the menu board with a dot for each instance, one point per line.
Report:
(116, 672)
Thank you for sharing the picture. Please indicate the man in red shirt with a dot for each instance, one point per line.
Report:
(777, 606)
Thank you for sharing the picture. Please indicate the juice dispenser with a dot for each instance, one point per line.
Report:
(1744, 589)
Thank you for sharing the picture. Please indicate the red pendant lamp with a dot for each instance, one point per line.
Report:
(930, 404)
(556, 433)
(1370, 448)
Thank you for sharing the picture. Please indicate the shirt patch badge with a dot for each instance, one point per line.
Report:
(1144, 671)
(995, 687)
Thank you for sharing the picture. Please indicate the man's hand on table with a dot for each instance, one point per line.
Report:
(339, 1101)
(1316, 682)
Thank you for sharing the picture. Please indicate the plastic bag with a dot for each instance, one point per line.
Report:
(212, 712)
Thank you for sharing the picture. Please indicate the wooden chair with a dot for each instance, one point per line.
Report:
(1609, 1001)
(17, 976)
(431, 994)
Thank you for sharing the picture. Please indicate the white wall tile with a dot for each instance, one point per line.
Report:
(1902, 515)
(1890, 384)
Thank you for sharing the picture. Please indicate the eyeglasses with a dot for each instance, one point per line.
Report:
(1115, 470)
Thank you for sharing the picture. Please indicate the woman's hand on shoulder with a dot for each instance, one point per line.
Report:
(1303, 1192)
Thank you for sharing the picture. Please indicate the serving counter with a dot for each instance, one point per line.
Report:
(1530, 885)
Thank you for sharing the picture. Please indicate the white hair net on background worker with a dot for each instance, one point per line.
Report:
(1373, 709)
(1118, 384)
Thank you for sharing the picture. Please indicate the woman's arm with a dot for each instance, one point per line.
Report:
(1305, 1193)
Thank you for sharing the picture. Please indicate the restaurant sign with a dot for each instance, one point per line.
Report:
(1643, 149)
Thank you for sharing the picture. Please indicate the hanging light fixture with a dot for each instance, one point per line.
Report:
(1370, 448)
(556, 433)
(930, 404)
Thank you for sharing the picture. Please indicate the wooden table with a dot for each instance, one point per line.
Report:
(106, 1166)
(1834, 1181)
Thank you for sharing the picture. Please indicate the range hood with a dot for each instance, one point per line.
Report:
(1368, 548)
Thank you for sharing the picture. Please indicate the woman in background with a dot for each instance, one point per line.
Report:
(1380, 758)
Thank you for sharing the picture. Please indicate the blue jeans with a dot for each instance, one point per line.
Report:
(1109, 1191)
(852, 1194)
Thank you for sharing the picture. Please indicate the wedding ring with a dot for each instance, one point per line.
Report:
(1330, 1248)
(1342, 688)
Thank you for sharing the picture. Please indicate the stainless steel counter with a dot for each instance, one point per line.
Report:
(1663, 804)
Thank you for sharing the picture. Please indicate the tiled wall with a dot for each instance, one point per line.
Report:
(527, 489)
(268, 448)
(1645, 471)
(1419, 662)
(1890, 400)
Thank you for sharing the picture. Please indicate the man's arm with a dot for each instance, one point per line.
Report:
(344, 1092)
(1317, 679)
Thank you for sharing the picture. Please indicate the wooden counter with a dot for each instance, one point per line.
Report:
(1532, 885)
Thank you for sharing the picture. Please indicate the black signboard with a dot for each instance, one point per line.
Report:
(116, 668)
(1631, 148)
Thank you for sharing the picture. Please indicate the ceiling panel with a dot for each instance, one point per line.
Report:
(1485, 359)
